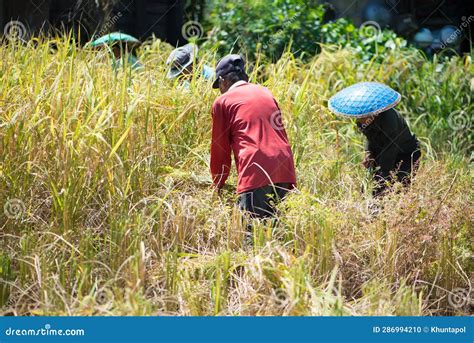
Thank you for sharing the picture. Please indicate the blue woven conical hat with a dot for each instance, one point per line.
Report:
(363, 99)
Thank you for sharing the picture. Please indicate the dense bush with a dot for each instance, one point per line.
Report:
(241, 25)
(296, 25)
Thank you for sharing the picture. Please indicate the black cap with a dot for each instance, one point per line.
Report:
(227, 65)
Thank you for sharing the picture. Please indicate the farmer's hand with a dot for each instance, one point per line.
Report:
(368, 161)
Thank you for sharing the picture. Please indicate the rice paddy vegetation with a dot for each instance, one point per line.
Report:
(107, 207)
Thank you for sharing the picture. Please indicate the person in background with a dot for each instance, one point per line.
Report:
(246, 120)
(392, 152)
(391, 148)
(123, 48)
(182, 63)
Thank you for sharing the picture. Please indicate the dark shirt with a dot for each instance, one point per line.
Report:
(388, 139)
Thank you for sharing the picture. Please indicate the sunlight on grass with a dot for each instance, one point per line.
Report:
(110, 171)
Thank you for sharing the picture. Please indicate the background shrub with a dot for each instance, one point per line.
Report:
(294, 25)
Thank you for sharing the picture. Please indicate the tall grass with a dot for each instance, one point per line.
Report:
(116, 215)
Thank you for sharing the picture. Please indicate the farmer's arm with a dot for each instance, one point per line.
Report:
(220, 146)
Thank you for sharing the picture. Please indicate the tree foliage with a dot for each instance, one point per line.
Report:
(295, 25)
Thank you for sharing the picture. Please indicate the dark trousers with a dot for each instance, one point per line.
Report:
(406, 166)
(260, 202)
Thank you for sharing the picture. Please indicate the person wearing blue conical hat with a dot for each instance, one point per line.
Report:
(122, 46)
(392, 151)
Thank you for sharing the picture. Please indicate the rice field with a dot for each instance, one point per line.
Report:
(107, 209)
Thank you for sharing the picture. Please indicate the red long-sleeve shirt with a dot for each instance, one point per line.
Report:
(247, 120)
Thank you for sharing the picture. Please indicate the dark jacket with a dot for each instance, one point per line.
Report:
(388, 140)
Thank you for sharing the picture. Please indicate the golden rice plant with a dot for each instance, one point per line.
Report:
(107, 207)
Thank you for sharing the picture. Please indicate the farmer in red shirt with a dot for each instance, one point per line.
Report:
(246, 120)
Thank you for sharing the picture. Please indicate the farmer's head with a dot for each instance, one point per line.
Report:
(181, 61)
(229, 70)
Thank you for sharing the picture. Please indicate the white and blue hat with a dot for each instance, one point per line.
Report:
(363, 99)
